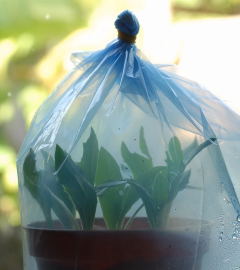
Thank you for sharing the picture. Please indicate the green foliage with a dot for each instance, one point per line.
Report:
(60, 209)
(148, 201)
(108, 171)
(47, 192)
(30, 173)
(158, 186)
(36, 16)
(137, 163)
(90, 157)
(76, 186)
(174, 154)
(72, 178)
(208, 6)
(143, 144)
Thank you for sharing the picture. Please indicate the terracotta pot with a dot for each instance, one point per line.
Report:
(113, 250)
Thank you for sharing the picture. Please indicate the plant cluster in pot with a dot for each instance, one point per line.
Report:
(71, 189)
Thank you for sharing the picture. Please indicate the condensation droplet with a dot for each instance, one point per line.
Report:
(234, 236)
(237, 230)
(238, 218)
(226, 201)
(220, 236)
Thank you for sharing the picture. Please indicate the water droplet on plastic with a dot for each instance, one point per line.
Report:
(238, 218)
(234, 236)
(237, 230)
(226, 201)
(226, 260)
(220, 236)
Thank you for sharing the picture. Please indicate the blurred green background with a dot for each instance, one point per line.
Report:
(33, 35)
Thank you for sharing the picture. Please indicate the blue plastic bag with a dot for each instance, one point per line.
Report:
(123, 144)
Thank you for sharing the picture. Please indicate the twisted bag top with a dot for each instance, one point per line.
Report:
(172, 99)
(128, 26)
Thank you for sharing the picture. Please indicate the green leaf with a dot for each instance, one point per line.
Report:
(175, 152)
(59, 190)
(143, 144)
(90, 156)
(46, 181)
(31, 181)
(179, 183)
(108, 171)
(62, 212)
(138, 164)
(130, 196)
(149, 203)
(81, 191)
(30, 173)
(50, 181)
(153, 189)
(102, 188)
(160, 187)
(177, 160)
(184, 180)
(175, 164)
(146, 180)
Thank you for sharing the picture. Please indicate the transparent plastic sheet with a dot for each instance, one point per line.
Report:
(143, 122)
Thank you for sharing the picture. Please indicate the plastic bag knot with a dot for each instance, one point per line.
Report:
(128, 26)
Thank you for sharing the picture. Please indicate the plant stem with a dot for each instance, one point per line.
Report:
(199, 149)
(130, 220)
(48, 218)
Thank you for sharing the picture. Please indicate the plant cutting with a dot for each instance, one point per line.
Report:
(120, 165)
(72, 187)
